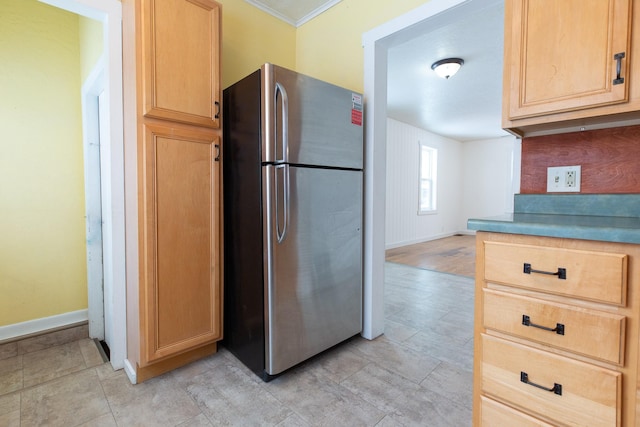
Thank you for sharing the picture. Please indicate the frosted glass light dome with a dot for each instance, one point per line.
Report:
(446, 68)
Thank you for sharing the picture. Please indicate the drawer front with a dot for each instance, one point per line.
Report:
(494, 414)
(592, 333)
(595, 276)
(588, 395)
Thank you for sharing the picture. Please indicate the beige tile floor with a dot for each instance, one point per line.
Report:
(417, 374)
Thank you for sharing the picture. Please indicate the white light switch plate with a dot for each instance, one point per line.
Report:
(563, 179)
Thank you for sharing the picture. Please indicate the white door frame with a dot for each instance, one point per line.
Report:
(109, 12)
(94, 103)
(376, 44)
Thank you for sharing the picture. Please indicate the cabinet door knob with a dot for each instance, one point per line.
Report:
(618, 57)
(217, 158)
(217, 104)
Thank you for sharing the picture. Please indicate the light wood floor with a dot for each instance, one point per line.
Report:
(454, 255)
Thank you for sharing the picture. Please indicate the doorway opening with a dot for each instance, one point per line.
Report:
(104, 93)
(377, 43)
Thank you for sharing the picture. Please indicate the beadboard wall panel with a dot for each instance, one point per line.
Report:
(403, 224)
(609, 160)
(475, 179)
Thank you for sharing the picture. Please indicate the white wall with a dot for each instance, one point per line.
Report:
(403, 224)
(491, 176)
(475, 179)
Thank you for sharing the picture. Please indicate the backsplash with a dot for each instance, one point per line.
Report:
(610, 160)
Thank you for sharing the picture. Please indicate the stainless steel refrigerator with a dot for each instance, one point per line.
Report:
(293, 200)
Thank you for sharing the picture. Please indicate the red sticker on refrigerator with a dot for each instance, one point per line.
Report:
(356, 117)
(356, 109)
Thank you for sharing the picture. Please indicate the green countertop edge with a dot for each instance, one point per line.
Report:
(607, 205)
(601, 217)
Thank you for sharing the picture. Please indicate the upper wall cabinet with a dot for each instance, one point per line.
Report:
(566, 61)
(180, 41)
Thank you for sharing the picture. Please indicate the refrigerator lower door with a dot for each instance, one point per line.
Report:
(314, 274)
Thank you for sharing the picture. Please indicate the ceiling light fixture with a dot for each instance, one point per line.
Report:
(446, 68)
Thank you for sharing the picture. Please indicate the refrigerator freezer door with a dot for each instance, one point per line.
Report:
(310, 122)
(314, 275)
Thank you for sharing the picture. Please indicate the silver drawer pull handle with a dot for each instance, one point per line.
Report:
(559, 329)
(557, 388)
(561, 273)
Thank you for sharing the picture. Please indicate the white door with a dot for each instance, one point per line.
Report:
(93, 100)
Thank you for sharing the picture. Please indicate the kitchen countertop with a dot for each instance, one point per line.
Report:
(603, 217)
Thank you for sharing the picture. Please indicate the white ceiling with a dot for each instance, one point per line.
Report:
(295, 12)
(465, 107)
(468, 105)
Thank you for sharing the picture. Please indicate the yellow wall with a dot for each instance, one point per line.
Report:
(91, 45)
(329, 47)
(42, 247)
(251, 37)
(45, 54)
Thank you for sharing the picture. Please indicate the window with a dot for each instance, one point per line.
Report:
(427, 180)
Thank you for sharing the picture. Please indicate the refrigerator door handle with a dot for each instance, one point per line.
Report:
(282, 191)
(285, 121)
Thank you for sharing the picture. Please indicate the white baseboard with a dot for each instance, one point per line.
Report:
(43, 324)
(130, 371)
(427, 239)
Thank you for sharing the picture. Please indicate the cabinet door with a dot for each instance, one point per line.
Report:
(181, 42)
(559, 55)
(180, 212)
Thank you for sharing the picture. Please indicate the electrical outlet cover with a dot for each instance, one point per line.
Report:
(563, 179)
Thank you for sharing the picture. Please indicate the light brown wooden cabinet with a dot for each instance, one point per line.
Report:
(556, 331)
(569, 65)
(180, 220)
(181, 47)
(172, 48)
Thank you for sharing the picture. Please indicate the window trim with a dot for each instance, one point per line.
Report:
(433, 178)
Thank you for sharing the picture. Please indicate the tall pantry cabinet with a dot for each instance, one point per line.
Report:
(172, 49)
